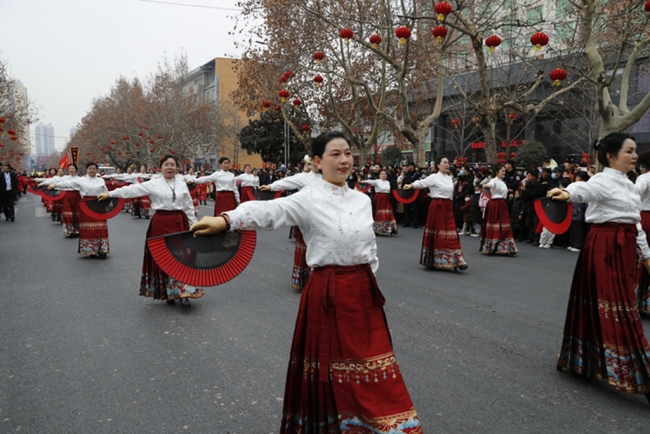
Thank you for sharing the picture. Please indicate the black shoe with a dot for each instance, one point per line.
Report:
(171, 302)
(13, 218)
(185, 302)
(462, 267)
(406, 226)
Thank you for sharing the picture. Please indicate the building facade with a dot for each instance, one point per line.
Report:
(44, 138)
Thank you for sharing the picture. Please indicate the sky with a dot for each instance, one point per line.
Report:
(67, 52)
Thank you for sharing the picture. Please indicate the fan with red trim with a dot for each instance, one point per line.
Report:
(267, 195)
(363, 189)
(406, 196)
(191, 186)
(555, 215)
(101, 210)
(487, 193)
(46, 193)
(206, 260)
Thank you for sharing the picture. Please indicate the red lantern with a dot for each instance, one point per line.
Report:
(284, 94)
(403, 33)
(266, 104)
(14, 138)
(87, 153)
(173, 152)
(151, 141)
(284, 79)
(146, 128)
(132, 157)
(2, 120)
(442, 9)
(151, 151)
(2, 145)
(501, 155)
(288, 74)
(141, 134)
(112, 142)
(493, 42)
(109, 148)
(375, 40)
(512, 117)
(539, 39)
(125, 138)
(1, 130)
(276, 108)
(513, 155)
(137, 145)
(439, 32)
(305, 128)
(455, 122)
(346, 34)
(647, 6)
(318, 80)
(296, 103)
(20, 153)
(11, 132)
(119, 153)
(557, 75)
(318, 56)
(159, 137)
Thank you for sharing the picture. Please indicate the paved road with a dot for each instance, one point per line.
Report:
(80, 352)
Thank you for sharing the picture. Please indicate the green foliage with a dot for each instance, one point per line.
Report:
(531, 154)
(390, 156)
(265, 136)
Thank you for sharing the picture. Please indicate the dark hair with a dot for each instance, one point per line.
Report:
(73, 165)
(167, 157)
(610, 144)
(644, 160)
(499, 167)
(222, 159)
(51, 169)
(582, 175)
(320, 143)
(247, 165)
(438, 160)
(91, 163)
(534, 173)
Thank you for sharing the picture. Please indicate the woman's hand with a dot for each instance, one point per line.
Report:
(558, 194)
(51, 186)
(646, 264)
(407, 187)
(265, 188)
(209, 226)
(190, 182)
(103, 196)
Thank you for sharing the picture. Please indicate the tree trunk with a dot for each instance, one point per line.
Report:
(419, 151)
(490, 142)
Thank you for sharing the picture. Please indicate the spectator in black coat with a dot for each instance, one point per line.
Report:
(533, 189)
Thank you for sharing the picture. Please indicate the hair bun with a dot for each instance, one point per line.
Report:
(598, 143)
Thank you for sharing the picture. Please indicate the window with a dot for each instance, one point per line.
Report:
(463, 57)
(643, 78)
(535, 15)
(563, 8)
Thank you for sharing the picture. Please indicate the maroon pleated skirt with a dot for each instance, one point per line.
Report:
(70, 213)
(141, 207)
(383, 214)
(57, 210)
(343, 376)
(93, 236)
(496, 233)
(643, 285)
(247, 193)
(224, 201)
(603, 334)
(154, 281)
(441, 244)
(300, 268)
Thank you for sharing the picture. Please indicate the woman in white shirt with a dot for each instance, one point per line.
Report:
(247, 183)
(342, 369)
(642, 187)
(174, 212)
(55, 206)
(440, 244)
(496, 233)
(226, 196)
(603, 335)
(93, 233)
(383, 211)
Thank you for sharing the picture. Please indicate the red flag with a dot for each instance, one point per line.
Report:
(64, 162)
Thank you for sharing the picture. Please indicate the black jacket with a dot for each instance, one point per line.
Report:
(14, 183)
(534, 190)
(512, 180)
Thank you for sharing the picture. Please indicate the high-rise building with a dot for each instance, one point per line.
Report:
(44, 139)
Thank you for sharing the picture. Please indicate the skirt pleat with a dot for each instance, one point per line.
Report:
(496, 233)
(440, 243)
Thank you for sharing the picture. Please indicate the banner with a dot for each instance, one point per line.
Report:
(64, 162)
(74, 152)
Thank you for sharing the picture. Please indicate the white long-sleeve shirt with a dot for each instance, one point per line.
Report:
(498, 188)
(336, 222)
(441, 186)
(160, 192)
(56, 180)
(612, 198)
(47, 181)
(248, 180)
(223, 181)
(85, 185)
(297, 182)
(380, 186)
(642, 187)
